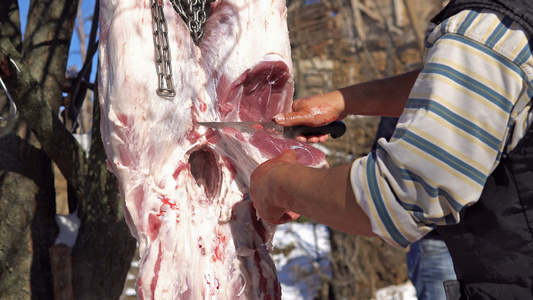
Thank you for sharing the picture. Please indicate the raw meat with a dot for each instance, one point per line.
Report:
(185, 187)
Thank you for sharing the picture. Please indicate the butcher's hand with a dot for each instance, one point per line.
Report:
(269, 201)
(314, 111)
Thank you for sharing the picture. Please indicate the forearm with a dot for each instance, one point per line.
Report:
(324, 195)
(385, 97)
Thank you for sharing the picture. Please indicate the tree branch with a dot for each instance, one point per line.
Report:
(55, 140)
(85, 73)
(46, 45)
(10, 22)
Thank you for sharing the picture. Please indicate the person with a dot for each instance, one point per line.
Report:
(460, 159)
(429, 263)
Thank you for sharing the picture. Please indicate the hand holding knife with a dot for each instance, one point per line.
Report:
(335, 129)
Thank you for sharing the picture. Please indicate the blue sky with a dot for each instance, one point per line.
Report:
(75, 57)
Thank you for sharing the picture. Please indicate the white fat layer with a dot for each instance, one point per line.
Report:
(198, 236)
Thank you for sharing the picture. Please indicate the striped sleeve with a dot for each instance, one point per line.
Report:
(468, 105)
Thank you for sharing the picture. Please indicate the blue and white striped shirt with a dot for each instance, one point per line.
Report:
(470, 104)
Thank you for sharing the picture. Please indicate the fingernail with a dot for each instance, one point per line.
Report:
(285, 219)
(279, 118)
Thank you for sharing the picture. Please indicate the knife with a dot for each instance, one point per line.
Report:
(335, 129)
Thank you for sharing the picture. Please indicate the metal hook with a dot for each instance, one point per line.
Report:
(9, 95)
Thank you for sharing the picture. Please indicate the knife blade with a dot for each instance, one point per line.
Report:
(335, 129)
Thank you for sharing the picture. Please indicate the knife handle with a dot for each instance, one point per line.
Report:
(335, 129)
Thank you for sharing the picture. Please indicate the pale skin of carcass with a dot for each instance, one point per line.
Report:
(282, 190)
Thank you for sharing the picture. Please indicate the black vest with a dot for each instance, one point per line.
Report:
(520, 11)
(492, 246)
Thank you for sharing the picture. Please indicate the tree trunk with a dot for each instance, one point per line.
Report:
(27, 206)
(28, 144)
(104, 248)
(362, 265)
(26, 222)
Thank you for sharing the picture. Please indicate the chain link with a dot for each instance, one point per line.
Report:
(193, 13)
(162, 51)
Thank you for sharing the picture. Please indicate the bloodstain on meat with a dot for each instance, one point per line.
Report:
(219, 248)
(157, 268)
(154, 224)
(231, 167)
(193, 136)
(181, 166)
(139, 285)
(201, 246)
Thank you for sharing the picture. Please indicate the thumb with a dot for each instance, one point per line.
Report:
(289, 216)
(288, 156)
(294, 118)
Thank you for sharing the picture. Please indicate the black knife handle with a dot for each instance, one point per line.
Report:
(335, 129)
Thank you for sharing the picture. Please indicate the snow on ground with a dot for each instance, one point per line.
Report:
(405, 291)
(299, 270)
(301, 256)
(68, 229)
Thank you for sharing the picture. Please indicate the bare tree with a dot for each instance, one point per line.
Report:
(33, 70)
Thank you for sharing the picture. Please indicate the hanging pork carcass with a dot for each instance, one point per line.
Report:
(185, 186)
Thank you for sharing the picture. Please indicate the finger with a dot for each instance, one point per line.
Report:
(299, 114)
(313, 116)
(301, 103)
(290, 216)
(301, 138)
(288, 155)
(294, 118)
(274, 218)
(312, 139)
(323, 138)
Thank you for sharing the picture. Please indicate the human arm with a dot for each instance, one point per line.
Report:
(282, 190)
(468, 106)
(385, 97)
(449, 139)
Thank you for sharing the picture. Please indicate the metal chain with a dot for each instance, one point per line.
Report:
(193, 13)
(162, 51)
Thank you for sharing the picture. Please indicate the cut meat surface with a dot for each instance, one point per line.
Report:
(185, 187)
(257, 95)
